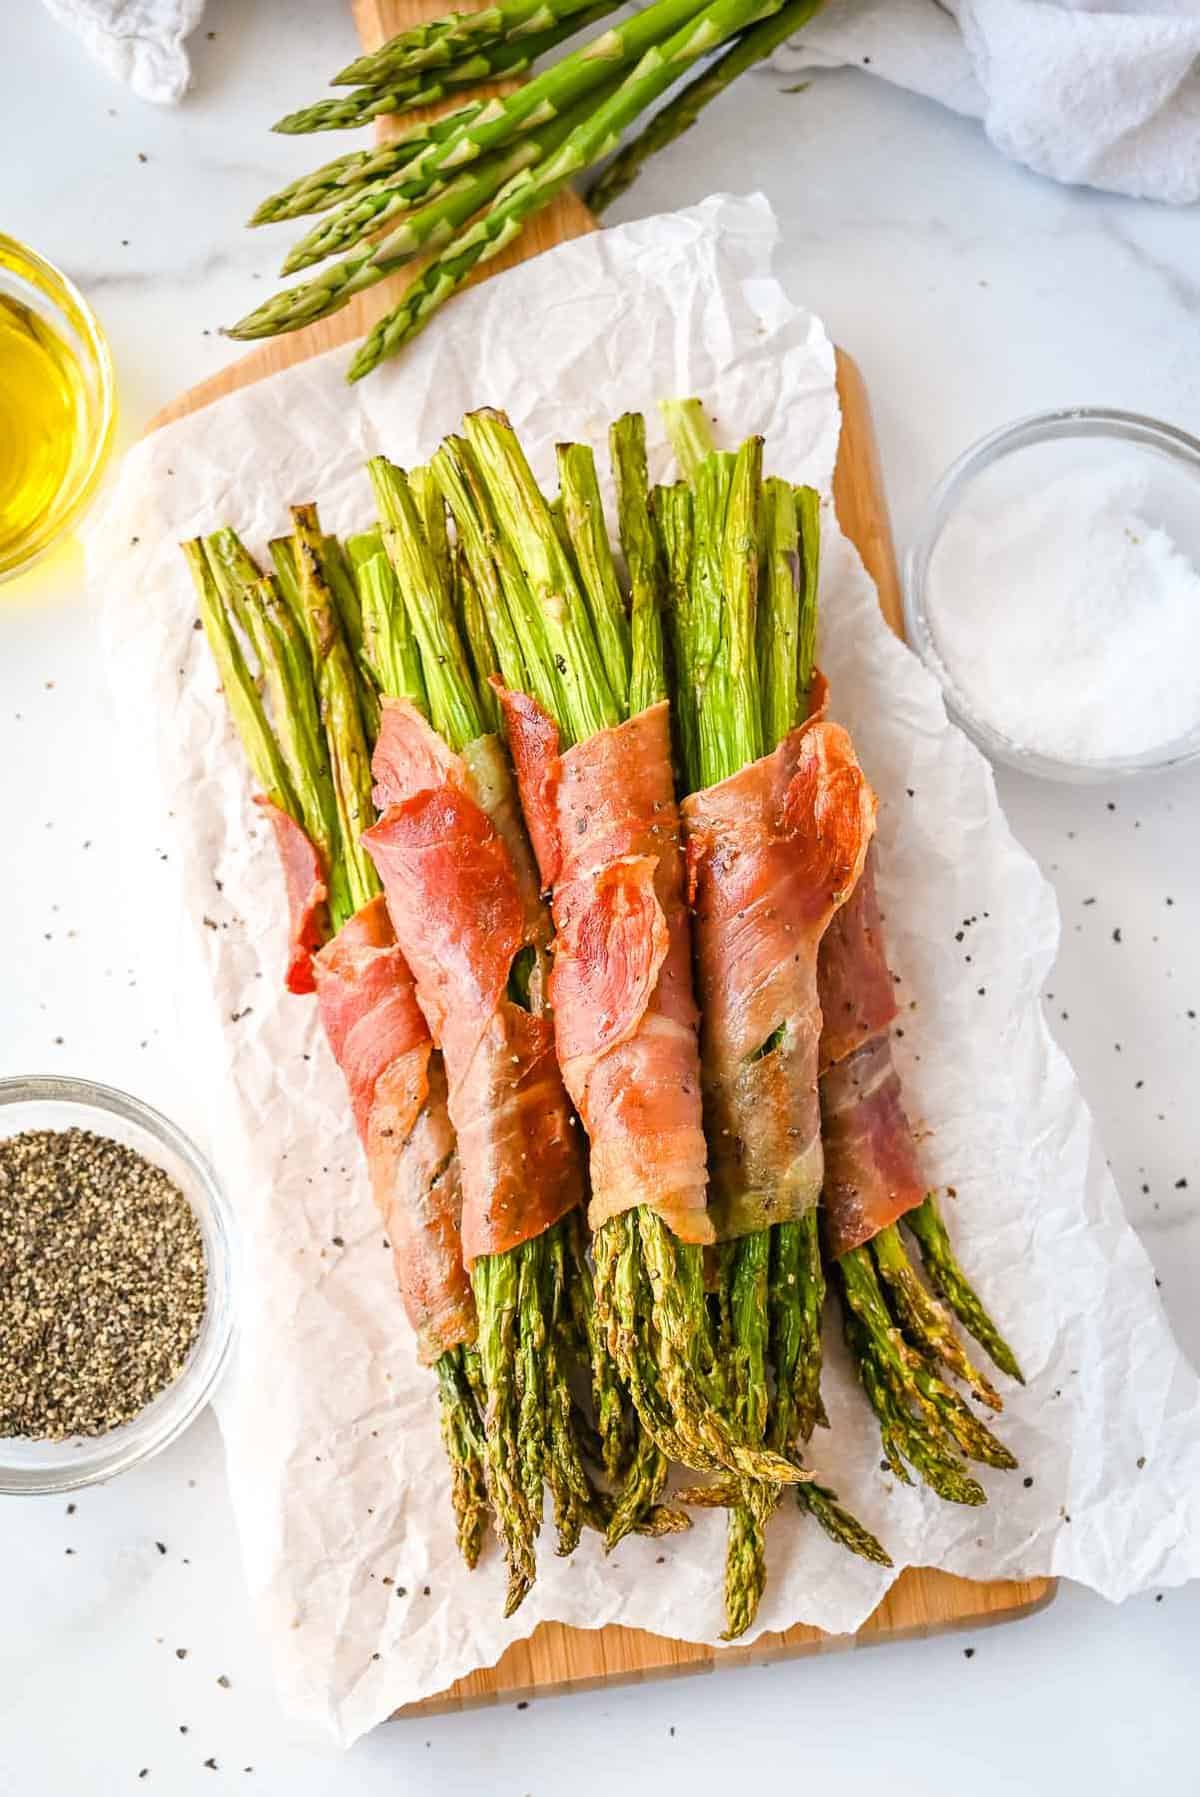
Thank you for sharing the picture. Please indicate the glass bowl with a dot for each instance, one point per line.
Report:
(31, 283)
(47, 1102)
(1022, 456)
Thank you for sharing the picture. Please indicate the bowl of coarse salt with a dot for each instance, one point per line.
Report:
(1054, 590)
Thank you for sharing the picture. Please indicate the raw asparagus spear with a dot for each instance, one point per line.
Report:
(681, 113)
(446, 41)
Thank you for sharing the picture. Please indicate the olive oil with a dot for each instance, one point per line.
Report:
(43, 424)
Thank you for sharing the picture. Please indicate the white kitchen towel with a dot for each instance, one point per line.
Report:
(1085, 91)
(138, 41)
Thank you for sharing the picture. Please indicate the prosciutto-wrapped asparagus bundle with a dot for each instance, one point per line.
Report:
(597, 790)
(870, 1175)
(306, 758)
(463, 894)
(778, 818)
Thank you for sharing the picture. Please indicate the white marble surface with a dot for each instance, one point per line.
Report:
(970, 292)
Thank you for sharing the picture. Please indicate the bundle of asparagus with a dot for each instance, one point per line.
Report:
(464, 185)
(597, 791)
(898, 1333)
(778, 820)
(463, 895)
(307, 752)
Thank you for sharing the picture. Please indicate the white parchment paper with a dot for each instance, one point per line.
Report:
(334, 1457)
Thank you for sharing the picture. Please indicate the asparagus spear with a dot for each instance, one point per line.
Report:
(526, 194)
(241, 694)
(389, 646)
(681, 113)
(639, 545)
(387, 98)
(737, 624)
(430, 208)
(289, 679)
(649, 1286)
(583, 518)
(444, 42)
(343, 176)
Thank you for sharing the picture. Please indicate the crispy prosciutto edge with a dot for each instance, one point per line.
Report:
(463, 898)
(605, 828)
(872, 1173)
(773, 852)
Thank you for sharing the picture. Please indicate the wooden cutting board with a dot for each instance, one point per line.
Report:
(922, 1601)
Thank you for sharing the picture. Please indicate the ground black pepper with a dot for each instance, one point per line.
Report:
(102, 1283)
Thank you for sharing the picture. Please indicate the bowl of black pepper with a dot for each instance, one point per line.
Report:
(117, 1274)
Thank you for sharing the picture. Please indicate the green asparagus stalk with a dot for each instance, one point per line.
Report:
(389, 646)
(430, 209)
(241, 694)
(690, 434)
(403, 92)
(527, 193)
(348, 111)
(493, 572)
(355, 170)
(779, 613)
(947, 1278)
(674, 528)
(288, 678)
(643, 562)
(681, 113)
(447, 41)
(338, 696)
(583, 517)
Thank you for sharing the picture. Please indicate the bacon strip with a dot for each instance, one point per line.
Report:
(603, 821)
(463, 898)
(872, 1176)
(773, 852)
(397, 1089)
(306, 895)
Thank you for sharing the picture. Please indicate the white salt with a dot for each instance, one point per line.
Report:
(1068, 622)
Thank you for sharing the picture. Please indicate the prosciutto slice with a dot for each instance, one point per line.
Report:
(397, 1088)
(872, 1175)
(380, 1040)
(773, 852)
(304, 881)
(463, 898)
(604, 824)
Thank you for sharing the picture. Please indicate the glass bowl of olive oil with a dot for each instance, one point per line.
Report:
(57, 405)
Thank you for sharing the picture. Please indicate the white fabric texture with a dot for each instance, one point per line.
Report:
(1103, 94)
(138, 41)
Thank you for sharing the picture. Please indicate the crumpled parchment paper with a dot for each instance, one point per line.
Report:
(330, 1426)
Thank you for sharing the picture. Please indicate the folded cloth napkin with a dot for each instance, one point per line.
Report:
(138, 41)
(1105, 92)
